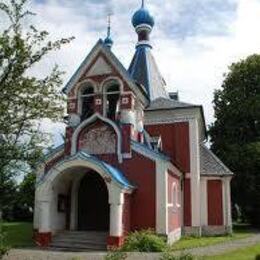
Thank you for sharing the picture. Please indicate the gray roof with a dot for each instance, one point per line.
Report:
(143, 69)
(210, 164)
(167, 103)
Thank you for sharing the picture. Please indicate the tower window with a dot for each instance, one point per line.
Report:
(87, 102)
(112, 101)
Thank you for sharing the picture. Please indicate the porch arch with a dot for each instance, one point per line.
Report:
(116, 185)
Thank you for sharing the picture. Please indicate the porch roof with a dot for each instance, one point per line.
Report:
(115, 173)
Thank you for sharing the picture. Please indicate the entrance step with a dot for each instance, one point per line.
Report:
(79, 241)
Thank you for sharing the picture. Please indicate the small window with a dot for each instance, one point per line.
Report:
(112, 101)
(87, 102)
(175, 196)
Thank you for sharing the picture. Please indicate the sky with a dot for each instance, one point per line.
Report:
(194, 41)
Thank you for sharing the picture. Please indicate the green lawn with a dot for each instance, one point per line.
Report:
(18, 234)
(248, 253)
(192, 242)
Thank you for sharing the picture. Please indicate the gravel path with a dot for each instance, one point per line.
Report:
(35, 254)
(225, 247)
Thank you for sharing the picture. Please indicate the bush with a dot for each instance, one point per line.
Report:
(257, 257)
(3, 249)
(116, 255)
(144, 241)
(170, 256)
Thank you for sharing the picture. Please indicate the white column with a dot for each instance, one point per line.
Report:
(204, 201)
(228, 214)
(195, 172)
(74, 203)
(116, 219)
(161, 198)
(44, 215)
(116, 201)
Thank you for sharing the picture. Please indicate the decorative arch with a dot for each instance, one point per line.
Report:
(111, 79)
(86, 92)
(91, 120)
(112, 89)
(44, 185)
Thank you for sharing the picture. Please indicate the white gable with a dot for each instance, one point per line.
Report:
(100, 67)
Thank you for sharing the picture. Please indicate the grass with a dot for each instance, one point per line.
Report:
(18, 234)
(248, 253)
(239, 232)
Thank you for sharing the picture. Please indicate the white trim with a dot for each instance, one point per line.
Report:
(174, 169)
(45, 196)
(227, 212)
(161, 197)
(174, 235)
(104, 85)
(90, 120)
(79, 85)
(160, 121)
(204, 201)
(195, 172)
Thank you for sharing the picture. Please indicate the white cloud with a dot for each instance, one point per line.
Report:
(192, 62)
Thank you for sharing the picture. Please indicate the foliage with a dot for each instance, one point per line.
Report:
(3, 248)
(169, 256)
(25, 99)
(144, 241)
(116, 255)
(235, 135)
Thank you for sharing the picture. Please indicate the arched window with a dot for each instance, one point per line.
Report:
(175, 196)
(87, 102)
(112, 93)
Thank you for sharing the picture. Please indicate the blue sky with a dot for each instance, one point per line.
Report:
(193, 41)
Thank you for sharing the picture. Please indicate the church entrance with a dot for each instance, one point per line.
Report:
(93, 206)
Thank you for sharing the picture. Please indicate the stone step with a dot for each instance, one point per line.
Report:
(79, 241)
(77, 246)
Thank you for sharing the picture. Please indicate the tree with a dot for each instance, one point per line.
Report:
(24, 98)
(235, 135)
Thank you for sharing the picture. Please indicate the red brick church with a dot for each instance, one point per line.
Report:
(134, 157)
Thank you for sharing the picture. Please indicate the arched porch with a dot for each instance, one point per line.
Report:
(60, 203)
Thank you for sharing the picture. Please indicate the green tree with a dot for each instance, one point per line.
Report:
(235, 135)
(24, 99)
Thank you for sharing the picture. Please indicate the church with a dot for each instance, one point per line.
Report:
(134, 158)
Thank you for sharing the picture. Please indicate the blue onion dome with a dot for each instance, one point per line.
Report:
(142, 16)
(108, 41)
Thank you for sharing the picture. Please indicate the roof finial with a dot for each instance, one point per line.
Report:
(108, 41)
(109, 24)
(142, 3)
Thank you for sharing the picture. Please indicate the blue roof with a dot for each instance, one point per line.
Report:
(143, 69)
(115, 173)
(108, 41)
(142, 16)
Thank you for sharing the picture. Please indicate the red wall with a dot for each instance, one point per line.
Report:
(140, 171)
(175, 142)
(187, 203)
(127, 214)
(174, 214)
(215, 208)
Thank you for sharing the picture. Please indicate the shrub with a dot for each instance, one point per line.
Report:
(170, 256)
(116, 255)
(3, 248)
(257, 257)
(144, 241)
